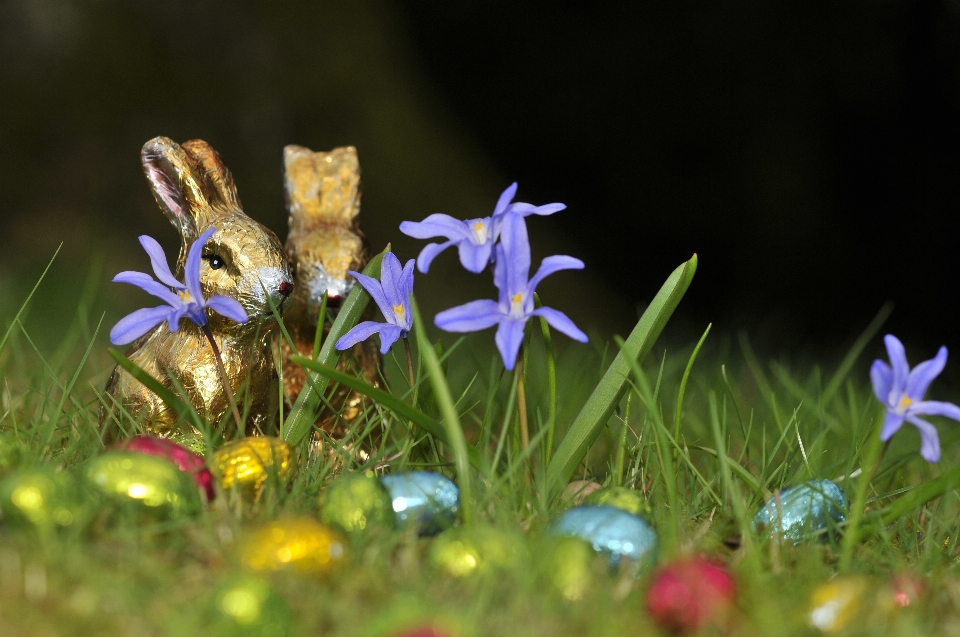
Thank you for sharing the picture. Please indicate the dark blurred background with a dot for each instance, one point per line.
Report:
(807, 151)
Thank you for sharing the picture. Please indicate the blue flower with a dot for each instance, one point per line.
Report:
(515, 306)
(901, 391)
(392, 295)
(185, 300)
(474, 237)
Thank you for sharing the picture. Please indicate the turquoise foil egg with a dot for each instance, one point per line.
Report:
(424, 499)
(807, 509)
(620, 535)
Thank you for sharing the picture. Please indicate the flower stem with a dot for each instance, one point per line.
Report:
(522, 405)
(406, 346)
(224, 380)
(871, 457)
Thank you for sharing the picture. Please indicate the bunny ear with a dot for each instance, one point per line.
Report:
(175, 180)
(321, 186)
(218, 180)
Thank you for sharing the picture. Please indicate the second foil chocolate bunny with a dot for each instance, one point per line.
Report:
(323, 201)
(243, 260)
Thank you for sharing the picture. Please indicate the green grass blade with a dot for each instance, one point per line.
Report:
(16, 319)
(448, 409)
(683, 381)
(389, 401)
(304, 411)
(600, 406)
(833, 386)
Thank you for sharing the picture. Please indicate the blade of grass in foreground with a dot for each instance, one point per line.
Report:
(386, 400)
(604, 399)
(303, 413)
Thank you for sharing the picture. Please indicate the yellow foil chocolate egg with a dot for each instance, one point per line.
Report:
(569, 565)
(629, 500)
(356, 502)
(834, 604)
(299, 544)
(248, 463)
(150, 483)
(468, 550)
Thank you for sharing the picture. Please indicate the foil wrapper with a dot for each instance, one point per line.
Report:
(629, 500)
(148, 483)
(187, 461)
(195, 191)
(425, 500)
(810, 509)
(690, 593)
(356, 502)
(837, 603)
(621, 536)
(248, 463)
(43, 499)
(302, 544)
(475, 549)
(247, 606)
(568, 566)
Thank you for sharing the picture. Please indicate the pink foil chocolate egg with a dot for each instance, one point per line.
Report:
(188, 462)
(687, 594)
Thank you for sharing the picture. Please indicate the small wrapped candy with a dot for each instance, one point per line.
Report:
(620, 535)
(568, 564)
(477, 549)
(424, 499)
(629, 500)
(249, 607)
(301, 544)
(833, 605)
(688, 594)
(803, 510)
(43, 498)
(187, 461)
(150, 483)
(249, 462)
(355, 502)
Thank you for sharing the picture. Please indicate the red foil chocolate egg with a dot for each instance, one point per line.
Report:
(686, 595)
(188, 462)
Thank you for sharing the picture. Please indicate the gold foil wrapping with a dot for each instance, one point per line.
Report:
(248, 463)
(303, 545)
(324, 242)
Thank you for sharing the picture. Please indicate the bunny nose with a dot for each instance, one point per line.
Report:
(285, 288)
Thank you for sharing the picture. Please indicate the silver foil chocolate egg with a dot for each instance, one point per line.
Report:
(618, 534)
(809, 509)
(425, 499)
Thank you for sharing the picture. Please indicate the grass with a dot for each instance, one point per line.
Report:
(706, 431)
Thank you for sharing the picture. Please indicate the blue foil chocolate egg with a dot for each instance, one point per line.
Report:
(806, 509)
(618, 534)
(425, 499)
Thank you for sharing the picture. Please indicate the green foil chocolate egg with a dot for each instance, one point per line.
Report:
(810, 509)
(568, 565)
(356, 502)
(44, 499)
(248, 607)
(629, 500)
(473, 550)
(147, 483)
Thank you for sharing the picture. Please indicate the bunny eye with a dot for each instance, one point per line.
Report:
(215, 260)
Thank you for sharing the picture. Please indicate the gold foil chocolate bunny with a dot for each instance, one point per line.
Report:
(243, 260)
(323, 201)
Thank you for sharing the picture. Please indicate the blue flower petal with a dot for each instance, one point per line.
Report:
(505, 198)
(390, 272)
(881, 377)
(388, 336)
(509, 338)
(375, 290)
(898, 361)
(920, 377)
(525, 209)
(360, 332)
(436, 225)
(561, 322)
(473, 257)
(515, 255)
(891, 425)
(146, 283)
(471, 317)
(191, 271)
(136, 324)
(158, 259)
(550, 265)
(429, 253)
(929, 439)
(228, 307)
(935, 408)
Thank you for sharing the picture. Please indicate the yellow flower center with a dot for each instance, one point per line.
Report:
(185, 296)
(905, 402)
(398, 313)
(480, 232)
